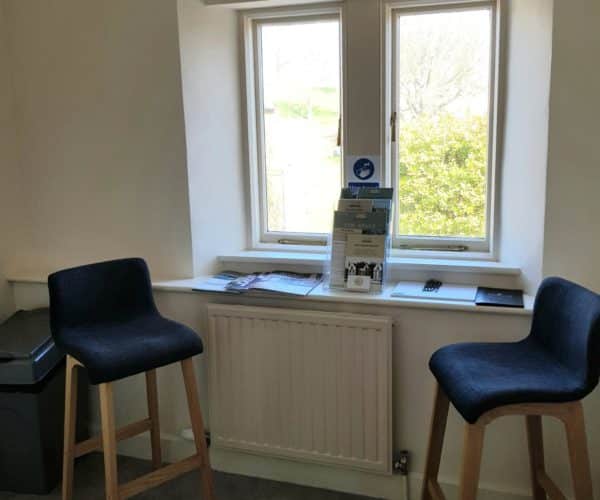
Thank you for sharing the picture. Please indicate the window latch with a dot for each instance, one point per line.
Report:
(393, 125)
(442, 248)
(291, 241)
(339, 133)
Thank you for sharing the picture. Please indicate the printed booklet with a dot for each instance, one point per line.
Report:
(360, 238)
(277, 282)
(365, 257)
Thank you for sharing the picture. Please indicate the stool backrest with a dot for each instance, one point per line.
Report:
(100, 293)
(566, 320)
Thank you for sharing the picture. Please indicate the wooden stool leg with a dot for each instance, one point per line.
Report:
(535, 440)
(189, 378)
(578, 452)
(473, 447)
(436, 440)
(152, 396)
(109, 441)
(70, 428)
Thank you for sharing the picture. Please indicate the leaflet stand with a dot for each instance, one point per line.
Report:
(360, 242)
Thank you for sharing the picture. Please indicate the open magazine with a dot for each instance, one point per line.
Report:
(277, 282)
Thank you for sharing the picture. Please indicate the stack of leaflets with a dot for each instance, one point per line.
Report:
(276, 281)
(360, 240)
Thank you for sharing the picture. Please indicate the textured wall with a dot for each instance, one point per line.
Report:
(10, 200)
(100, 121)
(572, 240)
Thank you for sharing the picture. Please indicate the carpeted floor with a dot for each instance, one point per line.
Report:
(89, 478)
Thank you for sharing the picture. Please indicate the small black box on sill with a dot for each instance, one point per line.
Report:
(32, 385)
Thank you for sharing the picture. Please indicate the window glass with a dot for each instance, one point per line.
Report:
(442, 100)
(300, 65)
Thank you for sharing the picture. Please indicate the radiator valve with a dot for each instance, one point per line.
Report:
(400, 464)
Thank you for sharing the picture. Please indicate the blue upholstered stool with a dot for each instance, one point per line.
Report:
(104, 317)
(548, 373)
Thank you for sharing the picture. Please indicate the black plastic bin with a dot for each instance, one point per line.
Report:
(32, 389)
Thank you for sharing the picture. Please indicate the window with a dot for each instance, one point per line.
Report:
(441, 80)
(294, 99)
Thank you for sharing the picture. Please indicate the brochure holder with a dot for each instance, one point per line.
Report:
(360, 242)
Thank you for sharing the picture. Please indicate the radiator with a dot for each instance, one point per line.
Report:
(303, 385)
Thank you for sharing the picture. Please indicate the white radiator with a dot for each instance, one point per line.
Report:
(305, 385)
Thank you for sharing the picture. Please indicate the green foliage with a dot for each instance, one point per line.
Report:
(443, 176)
(287, 109)
(321, 104)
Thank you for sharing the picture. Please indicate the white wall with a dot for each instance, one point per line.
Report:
(10, 206)
(212, 97)
(572, 243)
(528, 51)
(362, 48)
(100, 121)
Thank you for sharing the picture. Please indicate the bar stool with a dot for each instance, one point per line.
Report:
(104, 317)
(546, 374)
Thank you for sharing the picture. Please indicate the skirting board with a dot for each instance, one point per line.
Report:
(318, 476)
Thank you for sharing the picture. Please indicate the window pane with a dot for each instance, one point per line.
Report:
(301, 82)
(443, 75)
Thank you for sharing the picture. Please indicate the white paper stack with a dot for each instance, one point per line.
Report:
(448, 291)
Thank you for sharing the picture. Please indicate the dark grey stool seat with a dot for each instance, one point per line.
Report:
(112, 351)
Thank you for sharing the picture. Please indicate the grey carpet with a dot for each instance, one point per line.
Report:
(89, 477)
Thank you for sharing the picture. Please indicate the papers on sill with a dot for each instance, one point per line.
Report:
(447, 291)
(360, 239)
(276, 282)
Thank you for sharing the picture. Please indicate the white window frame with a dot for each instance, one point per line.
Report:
(431, 246)
(251, 20)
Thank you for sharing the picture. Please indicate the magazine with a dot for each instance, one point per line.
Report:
(367, 200)
(348, 223)
(365, 258)
(277, 282)
(354, 205)
(358, 223)
(218, 283)
(367, 193)
(360, 236)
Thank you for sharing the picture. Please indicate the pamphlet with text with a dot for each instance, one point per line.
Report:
(360, 238)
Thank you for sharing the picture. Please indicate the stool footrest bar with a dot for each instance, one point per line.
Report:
(435, 491)
(159, 476)
(549, 486)
(126, 432)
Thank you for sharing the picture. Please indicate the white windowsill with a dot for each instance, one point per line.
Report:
(401, 263)
(322, 293)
